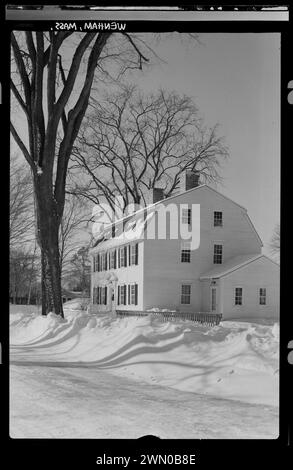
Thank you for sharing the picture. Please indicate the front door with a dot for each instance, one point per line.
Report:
(213, 299)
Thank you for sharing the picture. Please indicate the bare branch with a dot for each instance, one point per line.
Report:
(22, 146)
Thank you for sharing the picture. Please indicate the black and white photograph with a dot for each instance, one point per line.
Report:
(144, 257)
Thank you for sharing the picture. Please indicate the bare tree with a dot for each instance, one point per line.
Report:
(53, 94)
(23, 274)
(130, 143)
(21, 208)
(79, 271)
(73, 229)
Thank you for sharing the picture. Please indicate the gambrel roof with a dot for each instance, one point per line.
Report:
(138, 216)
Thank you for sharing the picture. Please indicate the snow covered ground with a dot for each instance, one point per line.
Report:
(219, 382)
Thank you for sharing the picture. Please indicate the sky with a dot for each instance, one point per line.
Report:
(235, 81)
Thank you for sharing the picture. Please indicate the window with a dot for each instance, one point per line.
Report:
(122, 257)
(133, 254)
(132, 294)
(218, 219)
(238, 296)
(218, 254)
(97, 262)
(185, 294)
(100, 295)
(113, 259)
(186, 216)
(103, 262)
(262, 296)
(214, 299)
(104, 296)
(122, 295)
(185, 252)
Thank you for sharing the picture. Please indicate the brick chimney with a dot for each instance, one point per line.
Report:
(155, 195)
(189, 179)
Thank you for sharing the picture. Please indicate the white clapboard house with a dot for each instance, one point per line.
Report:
(139, 266)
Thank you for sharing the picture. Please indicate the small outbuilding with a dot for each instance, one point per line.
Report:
(246, 286)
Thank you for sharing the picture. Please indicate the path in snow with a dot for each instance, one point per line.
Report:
(80, 402)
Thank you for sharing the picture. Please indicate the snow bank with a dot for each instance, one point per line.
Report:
(234, 360)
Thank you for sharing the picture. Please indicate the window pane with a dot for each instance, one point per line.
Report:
(238, 296)
(132, 254)
(218, 219)
(186, 216)
(262, 296)
(185, 252)
(218, 254)
(185, 293)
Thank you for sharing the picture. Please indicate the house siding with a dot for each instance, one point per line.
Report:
(259, 273)
(160, 272)
(125, 275)
(164, 272)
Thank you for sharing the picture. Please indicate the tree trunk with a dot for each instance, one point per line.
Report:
(48, 222)
(31, 277)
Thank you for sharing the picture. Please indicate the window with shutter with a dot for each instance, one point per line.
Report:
(122, 294)
(125, 256)
(133, 294)
(121, 257)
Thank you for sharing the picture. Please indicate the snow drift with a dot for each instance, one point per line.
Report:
(234, 360)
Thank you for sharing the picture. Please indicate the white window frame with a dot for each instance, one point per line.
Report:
(262, 296)
(186, 216)
(104, 300)
(102, 261)
(122, 257)
(123, 289)
(236, 296)
(112, 259)
(132, 254)
(184, 295)
(215, 255)
(214, 218)
(131, 301)
(214, 299)
(185, 252)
